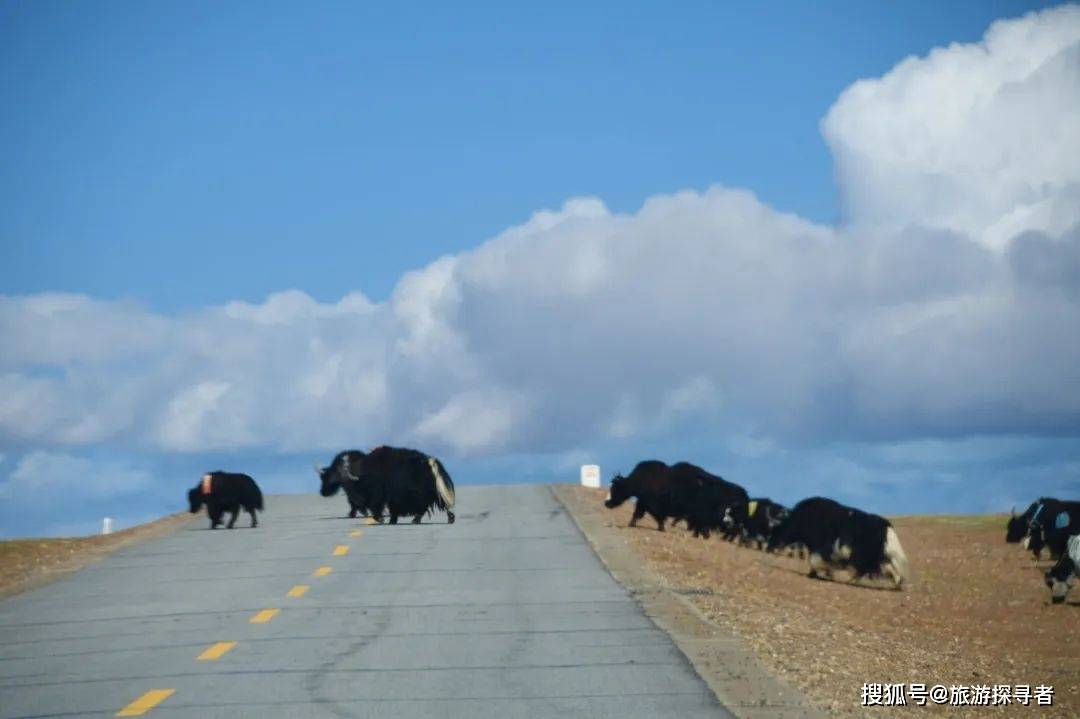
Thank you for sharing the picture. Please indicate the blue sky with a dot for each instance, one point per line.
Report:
(816, 247)
(182, 154)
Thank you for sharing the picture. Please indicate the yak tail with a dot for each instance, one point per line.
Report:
(443, 484)
(894, 555)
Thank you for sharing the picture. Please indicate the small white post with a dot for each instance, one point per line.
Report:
(590, 475)
(107, 525)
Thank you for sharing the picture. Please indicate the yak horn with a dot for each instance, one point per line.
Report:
(1014, 510)
(318, 469)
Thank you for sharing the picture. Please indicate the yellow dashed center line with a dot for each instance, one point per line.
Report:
(145, 703)
(264, 616)
(215, 651)
(152, 698)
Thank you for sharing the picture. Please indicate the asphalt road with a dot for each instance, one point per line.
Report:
(507, 613)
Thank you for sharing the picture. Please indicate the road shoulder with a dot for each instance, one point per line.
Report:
(27, 564)
(724, 662)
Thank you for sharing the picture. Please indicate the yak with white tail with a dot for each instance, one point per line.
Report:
(390, 480)
(840, 537)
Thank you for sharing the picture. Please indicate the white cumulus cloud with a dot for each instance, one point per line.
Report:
(945, 305)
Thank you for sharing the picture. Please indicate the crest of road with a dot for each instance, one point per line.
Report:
(506, 613)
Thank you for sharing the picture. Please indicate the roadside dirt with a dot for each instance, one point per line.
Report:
(975, 613)
(29, 563)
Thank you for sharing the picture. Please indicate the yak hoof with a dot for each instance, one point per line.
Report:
(449, 517)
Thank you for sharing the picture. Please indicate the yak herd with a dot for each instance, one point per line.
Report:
(1054, 525)
(833, 535)
(387, 481)
(393, 482)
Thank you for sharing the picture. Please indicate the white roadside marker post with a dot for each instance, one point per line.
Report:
(107, 525)
(590, 475)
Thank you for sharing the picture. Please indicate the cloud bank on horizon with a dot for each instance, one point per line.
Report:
(944, 308)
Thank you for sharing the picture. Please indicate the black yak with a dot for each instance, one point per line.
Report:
(391, 480)
(226, 492)
(1048, 522)
(681, 491)
(755, 520)
(843, 537)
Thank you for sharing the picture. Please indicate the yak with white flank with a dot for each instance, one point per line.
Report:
(843, 537)
(1048, 523)
(681, 491)
(390, 480)
(1063, 575)
(226, 492)
(755, 520)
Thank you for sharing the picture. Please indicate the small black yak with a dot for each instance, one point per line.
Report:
(755, 520)
(226, 492)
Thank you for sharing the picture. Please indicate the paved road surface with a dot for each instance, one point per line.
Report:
(506, 613)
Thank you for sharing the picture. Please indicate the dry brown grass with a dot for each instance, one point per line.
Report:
(28, 563)
(975, 612)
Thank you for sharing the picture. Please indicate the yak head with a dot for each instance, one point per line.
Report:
(1060, 577)
(618, 493)
(734, 515)
(778, 539)
(195, 499)
(329, 481)
(333, 477)
(1017, 527)
(777, 517)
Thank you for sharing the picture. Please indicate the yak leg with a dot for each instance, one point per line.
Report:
(254, 521)
(215, 517)
(639, 512)
(353, 511)
(818, 564)
(449, 517)
(659, 523)
(416, 519)
(235, 514)
(393, 518)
